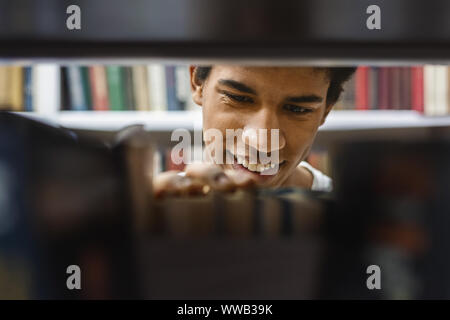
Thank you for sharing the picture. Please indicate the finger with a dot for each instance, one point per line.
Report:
(166, 183)
(241, 179)
(191, 186)
(212, 175)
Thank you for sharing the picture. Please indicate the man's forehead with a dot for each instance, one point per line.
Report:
(275, 77)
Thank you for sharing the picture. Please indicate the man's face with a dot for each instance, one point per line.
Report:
(291, 99)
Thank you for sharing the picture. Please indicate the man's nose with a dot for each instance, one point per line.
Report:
(263, 132)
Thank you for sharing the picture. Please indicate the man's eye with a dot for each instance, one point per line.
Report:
(238, 98)
(297, 109)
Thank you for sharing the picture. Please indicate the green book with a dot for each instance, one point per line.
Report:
(86, 87)
(115, 88)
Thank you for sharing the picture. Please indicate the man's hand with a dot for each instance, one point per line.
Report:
(200, 178)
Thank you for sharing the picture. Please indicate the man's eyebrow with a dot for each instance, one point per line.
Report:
(305, 99)
(237, 85)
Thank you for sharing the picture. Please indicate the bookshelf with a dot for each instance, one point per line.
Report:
(338, 120)
(325, 32)
(55, 99)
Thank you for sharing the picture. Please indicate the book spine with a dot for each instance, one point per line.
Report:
(86, 87)
(28, 89)
(373, 87)
(77, 98)
(157, 87)
(441, 90)
(140, 86)
(448, 90)
(46, 89)
(348, 100)
(429, 89)
(100, 101)
(173, 103)
(4, 88)
(417, 94)
(396, 88)
(383, 88)
(16, 87)
(115, 88)
(182, 87)
(128, 85)
(361, 92)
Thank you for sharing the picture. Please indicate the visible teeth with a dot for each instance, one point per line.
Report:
(256, 167)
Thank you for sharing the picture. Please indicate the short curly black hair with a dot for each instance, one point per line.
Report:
(338, 76)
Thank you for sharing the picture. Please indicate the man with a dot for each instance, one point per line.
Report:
(293, 101)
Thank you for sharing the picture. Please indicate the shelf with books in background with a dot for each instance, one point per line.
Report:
(110, 97)
(425, 89)
(158, 96)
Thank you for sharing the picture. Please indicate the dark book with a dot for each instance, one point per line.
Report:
(86, 87)
(28, 88)
(128, 86)
(68, 204)
(373, 87)
(172, 99)
(65, 95)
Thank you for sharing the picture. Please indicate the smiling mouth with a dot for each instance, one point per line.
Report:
(262, 170)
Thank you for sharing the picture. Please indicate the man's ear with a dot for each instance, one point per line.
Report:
(196, 86)
(325, 115)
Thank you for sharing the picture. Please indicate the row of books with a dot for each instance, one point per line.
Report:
(120, 88)
(45, 88)
(15, 88)
(49, 88)
(425, 89)
(264, 212)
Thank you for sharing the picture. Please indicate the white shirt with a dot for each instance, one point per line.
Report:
(321, 182)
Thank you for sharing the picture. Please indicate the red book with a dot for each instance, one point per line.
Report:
(99, 88)
(417, 93)
(362, 88)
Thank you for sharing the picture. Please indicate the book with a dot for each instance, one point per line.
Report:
(442, 81)
(396, 87)
(429, 75)
(5, 102)
(67, 203)
(115, 88)
(128, 86)
(383, 88)
(140, 86)
(362, 88)
(76, 93)
(157, 87)
(99, 88)
(173, 104)
(373, 87)
(16, 88)
(46, 79)
(417, 89)
(85, 80)
(28, 88)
